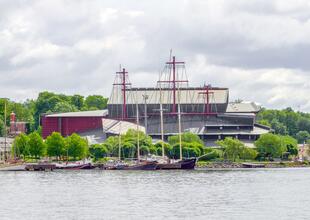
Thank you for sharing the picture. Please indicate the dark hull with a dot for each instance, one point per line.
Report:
(77, 167)
(186, 164)
(143, 166)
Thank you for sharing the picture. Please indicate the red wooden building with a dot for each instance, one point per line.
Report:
(72, 122)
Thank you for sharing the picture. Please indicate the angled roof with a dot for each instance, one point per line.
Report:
(243, 107)
(97, 113)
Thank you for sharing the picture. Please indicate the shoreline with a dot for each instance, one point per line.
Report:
(261, 165)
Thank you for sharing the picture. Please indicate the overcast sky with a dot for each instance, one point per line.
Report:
(259, 49)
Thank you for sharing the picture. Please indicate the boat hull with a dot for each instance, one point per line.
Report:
(186, 164)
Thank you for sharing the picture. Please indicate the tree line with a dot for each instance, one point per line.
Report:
(33, 146)
(48, 102)
(267, 147)
(287, 122)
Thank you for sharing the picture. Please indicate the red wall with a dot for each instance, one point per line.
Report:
(69, 125)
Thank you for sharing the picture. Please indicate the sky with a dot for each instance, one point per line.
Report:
(259, 49)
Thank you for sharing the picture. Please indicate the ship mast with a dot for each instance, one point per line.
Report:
(179, 124)
(137, 115)
(161, 123)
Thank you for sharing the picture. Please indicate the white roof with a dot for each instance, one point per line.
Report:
(244, 107)
(97, 113)
(187, 96)
(118, 127)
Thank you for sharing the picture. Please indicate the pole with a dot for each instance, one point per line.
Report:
(138, 144)
(161, 123)
(145, 97)
(119, 141)
(5, 131)
(179, 120)
(173, 83)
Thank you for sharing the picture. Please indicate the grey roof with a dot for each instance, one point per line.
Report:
(243, 107)
(112, 126)
(95, 136)
(97, 113)
(187, 96)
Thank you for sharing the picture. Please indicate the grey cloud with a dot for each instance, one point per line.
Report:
(76, 46)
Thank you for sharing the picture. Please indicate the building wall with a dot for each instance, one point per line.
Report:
(68, 125)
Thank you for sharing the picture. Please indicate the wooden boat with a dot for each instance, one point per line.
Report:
(185, 164)
(75, 166)
(40, 167)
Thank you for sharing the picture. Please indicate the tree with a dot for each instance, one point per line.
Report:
(1, 127)
(290, 144)
(21, 145)
(96, 102)
(185, 137)
(55, 145)
(77, 146)
(302, 136)
(77, 101)
(269, 145)
(278, 127)
(64, 107)
(36, 145)
(233, 148)
(98, 151)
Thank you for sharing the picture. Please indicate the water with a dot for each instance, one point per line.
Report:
(239, 194)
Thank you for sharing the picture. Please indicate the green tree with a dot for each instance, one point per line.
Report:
(64, 107)
(21, 145)
(36, 145)
(77, 146)
(290, 144)
(302, 136)
(96, 102)
(269, 145)
(55, 145)
(233, 148)
(98, 151)
(1, 127)
(78, 101)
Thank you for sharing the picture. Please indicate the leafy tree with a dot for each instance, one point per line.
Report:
(185, 137)
(55, 145)
(269, 145)
(290, 144)
(232, 148)
(36, 145)
(1, 127)
(96, 102)
(64, 107)
(278, 127)
(98, 151)
(302, 136)
(167, 148)
(264, 122)
(77, 146)
(21, 145)
(78, 101)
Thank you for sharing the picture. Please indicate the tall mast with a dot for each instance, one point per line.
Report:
(123, 84)
(179, 122)
(119, 141)
(174, 81)
(5, 132)
(145, 97)
(138, 141)
(161, 123)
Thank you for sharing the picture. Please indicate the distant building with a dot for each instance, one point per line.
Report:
(205, 111)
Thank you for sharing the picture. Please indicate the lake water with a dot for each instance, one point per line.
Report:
(198, 194)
